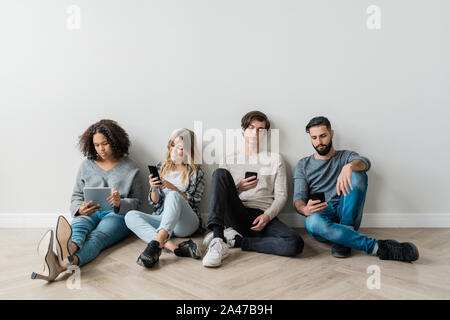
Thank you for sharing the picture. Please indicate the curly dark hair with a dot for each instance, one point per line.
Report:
(116, 136)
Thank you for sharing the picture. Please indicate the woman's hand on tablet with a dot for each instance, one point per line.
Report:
(87, 208)
(114, 198)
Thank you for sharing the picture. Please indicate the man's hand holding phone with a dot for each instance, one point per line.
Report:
(247, 183)
(314, 206)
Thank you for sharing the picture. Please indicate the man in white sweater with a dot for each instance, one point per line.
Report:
(249, 205)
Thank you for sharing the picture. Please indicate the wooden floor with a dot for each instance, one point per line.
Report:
(315, 274)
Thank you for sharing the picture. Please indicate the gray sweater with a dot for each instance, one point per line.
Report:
(312, 175)
(124, 177)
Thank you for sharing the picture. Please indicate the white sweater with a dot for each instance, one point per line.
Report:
(270, 194)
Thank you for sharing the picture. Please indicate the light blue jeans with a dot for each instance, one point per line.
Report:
(340, 221)
(96, 232)
(177, 218)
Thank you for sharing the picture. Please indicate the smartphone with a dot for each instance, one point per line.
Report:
(318, 196)
(251, 174)
(154, 172)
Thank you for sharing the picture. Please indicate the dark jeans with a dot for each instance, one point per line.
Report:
(227, 210)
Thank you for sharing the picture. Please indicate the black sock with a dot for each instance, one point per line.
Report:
(218, 232)
(237, 241)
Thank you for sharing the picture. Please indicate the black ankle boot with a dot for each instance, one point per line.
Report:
(150, 256)
(393, 250)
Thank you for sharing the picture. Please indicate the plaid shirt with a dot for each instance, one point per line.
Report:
(194, 192)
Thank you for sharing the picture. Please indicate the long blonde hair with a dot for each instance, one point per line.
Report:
(190, 167)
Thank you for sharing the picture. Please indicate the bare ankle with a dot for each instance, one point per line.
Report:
(75, 260)
(161, 237)
(73, 247)
(160, 241)
(170, 245)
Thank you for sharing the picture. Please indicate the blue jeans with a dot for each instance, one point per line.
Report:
(96, 232)
(177, 219)
(340, 221)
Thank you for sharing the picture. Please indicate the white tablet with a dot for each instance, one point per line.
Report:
(98, 195)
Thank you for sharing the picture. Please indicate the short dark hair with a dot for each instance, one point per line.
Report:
(115, 135)
(318, 121)
(254, 115)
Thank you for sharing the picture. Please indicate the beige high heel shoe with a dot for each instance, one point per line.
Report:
(63, 242)
(45, 250)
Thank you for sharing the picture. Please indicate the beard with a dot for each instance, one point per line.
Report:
(326, 150)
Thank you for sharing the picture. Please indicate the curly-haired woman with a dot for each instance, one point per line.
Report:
(176, 199)
(105, 145)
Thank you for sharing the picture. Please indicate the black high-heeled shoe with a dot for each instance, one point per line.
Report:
(63, 242)
(49, 258)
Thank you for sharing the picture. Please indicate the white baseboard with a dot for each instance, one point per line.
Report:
(30, 220)
(370, 220)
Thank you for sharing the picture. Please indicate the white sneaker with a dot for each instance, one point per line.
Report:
(207, 240)
(217, 251)
(228, 233)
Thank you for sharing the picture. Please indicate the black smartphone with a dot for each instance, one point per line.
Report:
(318, 196)
(154, 172)
(251, 174)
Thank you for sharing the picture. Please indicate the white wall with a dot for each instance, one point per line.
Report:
(158, 65)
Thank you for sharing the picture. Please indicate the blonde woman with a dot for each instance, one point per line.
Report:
(175, 198)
